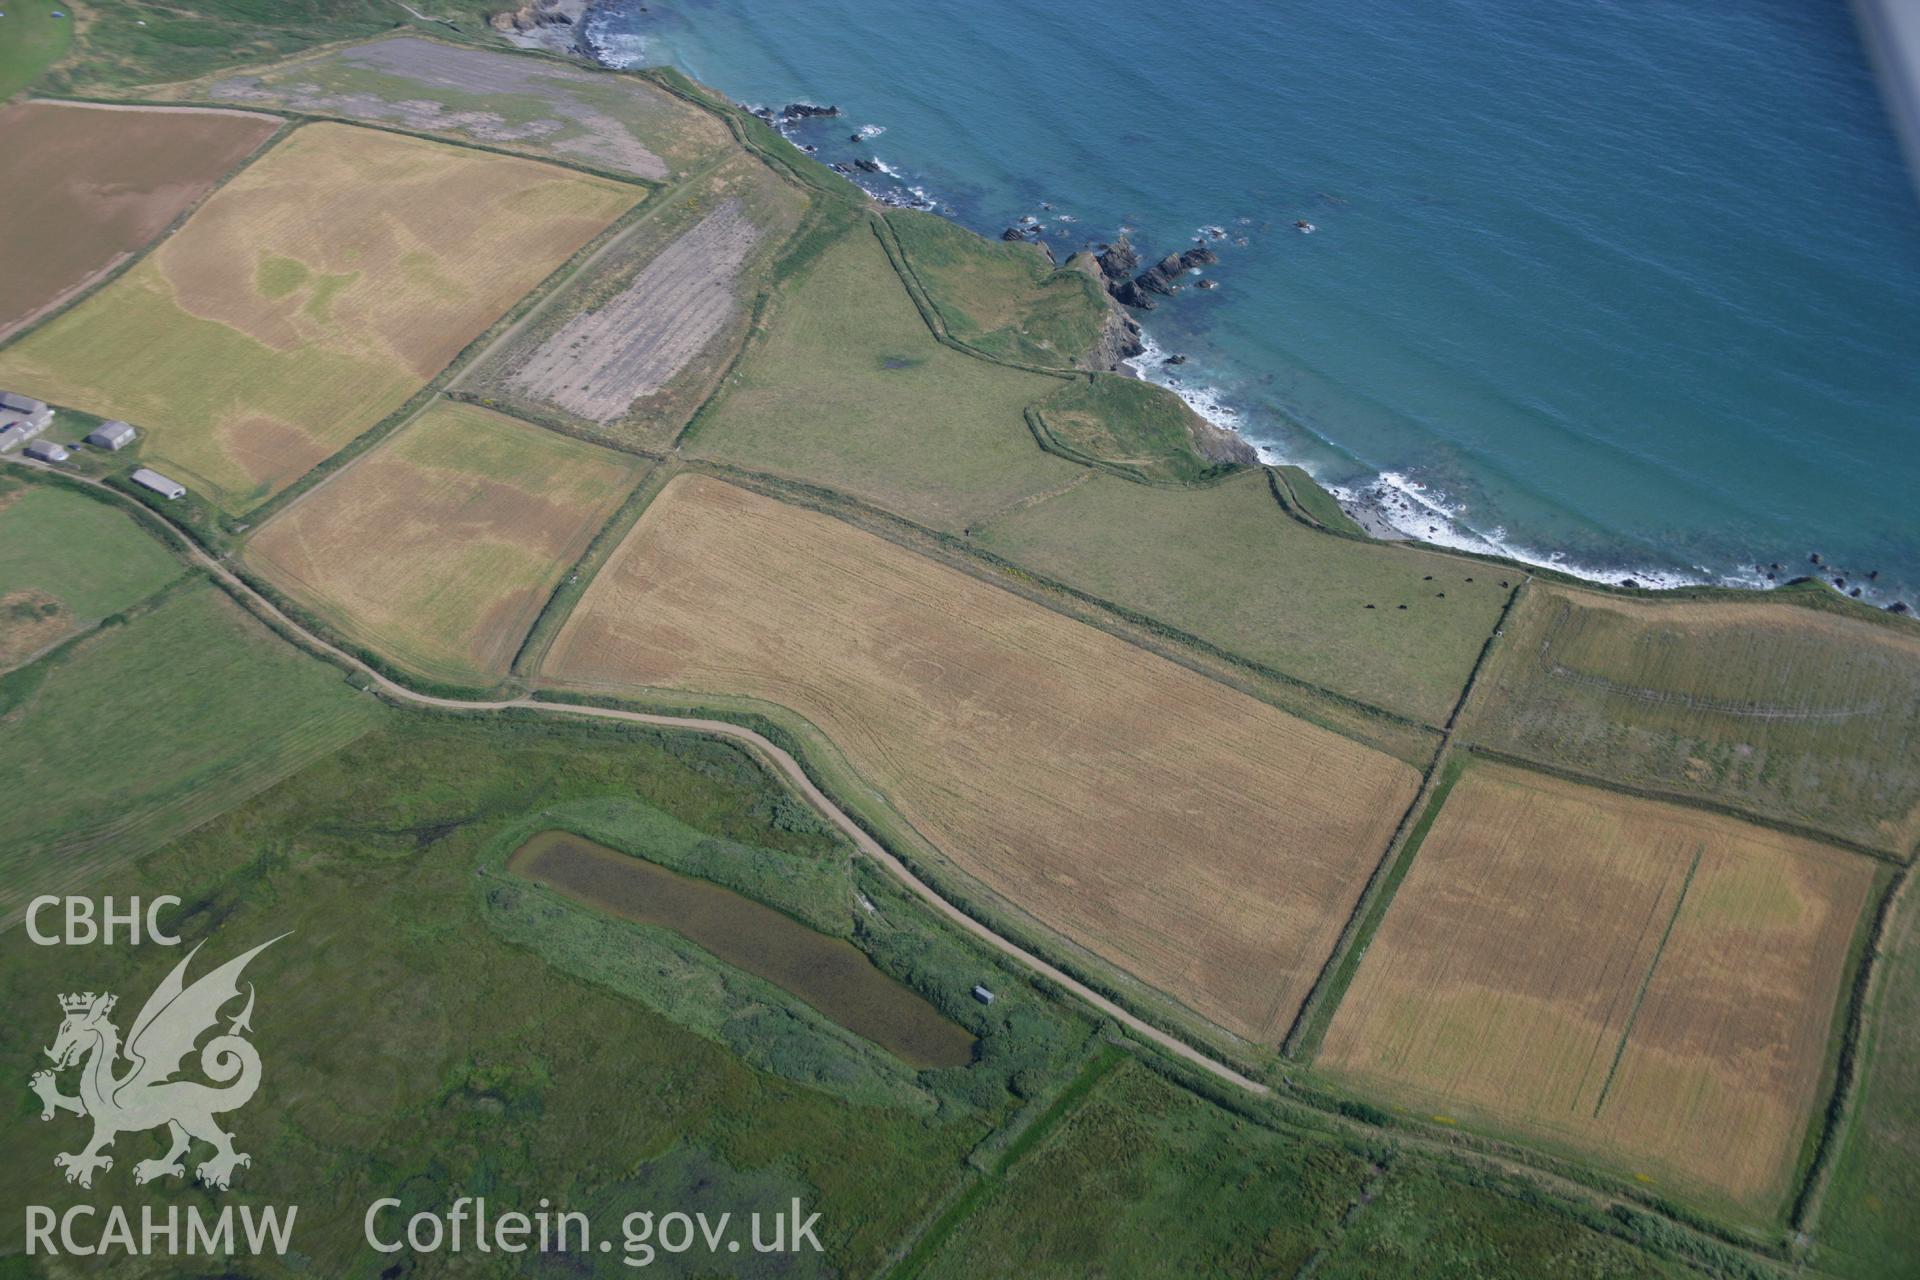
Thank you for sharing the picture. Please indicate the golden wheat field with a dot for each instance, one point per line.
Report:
(1203, 841)
(309, 298)
(440, 546)
(1800, 714)
(1629, 979)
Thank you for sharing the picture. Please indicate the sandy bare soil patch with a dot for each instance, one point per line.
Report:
(30, 620)
(441, 546)
(618, 123)
(603, 360)
(85, 188)
(1625, 978)
(1200, 839)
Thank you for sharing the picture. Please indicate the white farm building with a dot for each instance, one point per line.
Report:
(159, 484)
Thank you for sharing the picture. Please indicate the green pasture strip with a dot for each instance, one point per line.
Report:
(1069, 1099)
(1863, 1180)
(34, 35)
(1316, 1014)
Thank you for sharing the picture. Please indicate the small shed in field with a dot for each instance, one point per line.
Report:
(159, 484)
(983, 995)
(111, 435)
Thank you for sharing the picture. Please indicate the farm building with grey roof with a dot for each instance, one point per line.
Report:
(111, 435)
(158, 483)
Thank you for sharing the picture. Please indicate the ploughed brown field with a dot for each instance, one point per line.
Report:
(1202, 840)
(86, 187)
(1634, 980)
(604, 359)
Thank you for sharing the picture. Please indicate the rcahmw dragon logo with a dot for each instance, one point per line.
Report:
(146, 1096)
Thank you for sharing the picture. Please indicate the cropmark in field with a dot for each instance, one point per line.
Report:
(1801, 714)
(440, 546)
(1187, 833)
(88, 185)
(1628, 979)
(620, 124)
(309, 298)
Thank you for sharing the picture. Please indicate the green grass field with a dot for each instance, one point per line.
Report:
(1220, 1197)
(31, 40)
(1423, 1224)
(121, 740)
(1223, 1195)
(1802, 714)
(67, 561)
(1228, 565)
(1867, 1228)
(1004, 299)
(848, 389)
(128, 42)
(1140, 430)
(1314, 502)
(417, 1049)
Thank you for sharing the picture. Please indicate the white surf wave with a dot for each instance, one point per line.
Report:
(1416, 511)
(617, 48)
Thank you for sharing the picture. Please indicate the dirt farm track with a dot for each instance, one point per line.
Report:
(775, 757)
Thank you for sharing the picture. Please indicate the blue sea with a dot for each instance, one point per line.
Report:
(1629, 287)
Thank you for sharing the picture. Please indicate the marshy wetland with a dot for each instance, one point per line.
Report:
(830, 974)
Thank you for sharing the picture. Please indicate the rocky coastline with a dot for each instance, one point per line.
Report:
(1391, 506)
(558, 26)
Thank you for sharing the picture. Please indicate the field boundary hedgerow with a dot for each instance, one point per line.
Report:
(1316, 1012)
(961, 1207)
(1883, 857)
(580, 575)
(1829, 1130)
(1180, 646)
(296, 117)
(1050, 442)
(1310, 1025)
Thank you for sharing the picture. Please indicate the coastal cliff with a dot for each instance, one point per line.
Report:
(554, 25)
(1120, 338)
